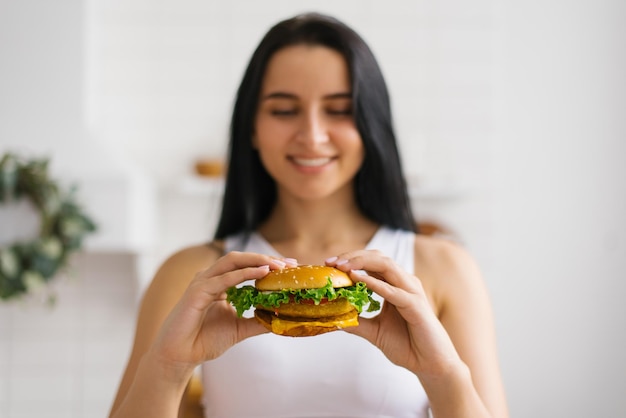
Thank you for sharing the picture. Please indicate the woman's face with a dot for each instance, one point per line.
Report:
(304, 130)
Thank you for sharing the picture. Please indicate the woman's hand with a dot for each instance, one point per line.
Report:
(199, 326)
(411, 334)
(407, 329)
(203, 325)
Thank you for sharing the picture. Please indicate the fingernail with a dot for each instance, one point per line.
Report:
(359, 272)
(331, 260)
(340, 262)
(265, 267)
(292, 262)
(280, 264)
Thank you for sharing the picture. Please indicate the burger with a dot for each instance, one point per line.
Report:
(304, 301)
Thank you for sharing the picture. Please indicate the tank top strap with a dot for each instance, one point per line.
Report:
(397, 244)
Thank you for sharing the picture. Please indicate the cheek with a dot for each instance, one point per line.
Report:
(268, 132)
(353, 144)
(359, 151)
(268, 144)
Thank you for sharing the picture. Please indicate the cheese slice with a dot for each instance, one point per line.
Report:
(281, 326)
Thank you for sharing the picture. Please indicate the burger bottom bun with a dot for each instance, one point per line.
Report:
(305, 327)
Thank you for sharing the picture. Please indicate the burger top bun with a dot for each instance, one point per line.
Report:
(303, 277)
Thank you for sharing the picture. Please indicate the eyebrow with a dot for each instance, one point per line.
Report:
(285, 95)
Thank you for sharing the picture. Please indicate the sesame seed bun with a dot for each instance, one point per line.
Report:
(303, 277)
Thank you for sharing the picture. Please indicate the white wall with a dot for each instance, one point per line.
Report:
(560, 231)
(520, 104)
(65, 361)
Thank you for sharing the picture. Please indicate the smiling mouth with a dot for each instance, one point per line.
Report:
(311, 162)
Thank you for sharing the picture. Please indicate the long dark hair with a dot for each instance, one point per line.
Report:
(380, 187)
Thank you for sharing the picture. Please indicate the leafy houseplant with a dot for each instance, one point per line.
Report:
(27, 265)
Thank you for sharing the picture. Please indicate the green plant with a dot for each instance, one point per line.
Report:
(25, 266)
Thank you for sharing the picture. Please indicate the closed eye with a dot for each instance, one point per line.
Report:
(283, 112)
(340, 112)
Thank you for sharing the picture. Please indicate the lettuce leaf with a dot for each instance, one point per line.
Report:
(246, 297)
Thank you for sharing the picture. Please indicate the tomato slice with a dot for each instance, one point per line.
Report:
(309, 301)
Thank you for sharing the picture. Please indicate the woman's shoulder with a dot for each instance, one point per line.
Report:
(201, 253)
(445, 268)
(194, 257)
(439, 252)
(177, 271)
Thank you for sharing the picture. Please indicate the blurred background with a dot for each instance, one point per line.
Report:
(511, 117)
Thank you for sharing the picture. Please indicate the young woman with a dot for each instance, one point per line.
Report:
(315, 178)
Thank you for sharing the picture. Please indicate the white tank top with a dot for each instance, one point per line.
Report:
(331, 375)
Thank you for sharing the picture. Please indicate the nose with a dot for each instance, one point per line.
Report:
(313, 129)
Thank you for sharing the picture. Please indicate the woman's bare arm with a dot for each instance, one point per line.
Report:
(462, 304)
(164, 292)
